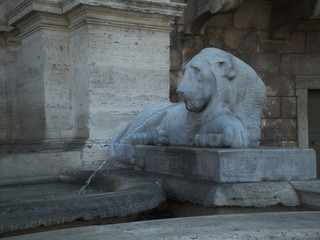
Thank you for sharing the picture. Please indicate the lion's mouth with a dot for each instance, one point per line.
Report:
(193, 105)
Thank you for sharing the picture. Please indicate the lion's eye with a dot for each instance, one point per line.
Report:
(196, 70)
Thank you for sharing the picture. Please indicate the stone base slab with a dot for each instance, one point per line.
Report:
(213, 195)
(229, 165)
(283, 225)
(309, 193)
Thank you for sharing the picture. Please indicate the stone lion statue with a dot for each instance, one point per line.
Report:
(222, 102)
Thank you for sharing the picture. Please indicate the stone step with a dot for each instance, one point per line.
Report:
(283, 225)
(309, 193)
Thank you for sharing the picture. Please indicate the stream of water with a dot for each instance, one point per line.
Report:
(146, 121)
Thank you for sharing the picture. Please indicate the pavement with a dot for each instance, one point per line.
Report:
(276, 225)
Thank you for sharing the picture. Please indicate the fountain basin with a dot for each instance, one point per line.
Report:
(110, 194)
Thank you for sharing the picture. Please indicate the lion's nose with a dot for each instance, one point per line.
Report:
(180, 92)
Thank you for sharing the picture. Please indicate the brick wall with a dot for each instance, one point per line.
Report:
(245, 34)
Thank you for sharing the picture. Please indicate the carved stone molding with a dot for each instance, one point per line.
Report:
(63, 6)
(199, 11)
(287, 14)
(164, 7)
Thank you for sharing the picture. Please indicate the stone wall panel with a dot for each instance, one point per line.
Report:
(295, 44)
(220, 21)
(272, 108)
(278, 84)
(253, 14)
(300, 64)
(175, 60)
(288, 107)
(267, 63)
(279, 129)
(313, 42)
(231, 39)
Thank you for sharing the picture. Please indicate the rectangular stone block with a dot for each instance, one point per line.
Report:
(300, 64)
(230, 165)
(28, 165)
(253, 14)
(295, 45)
(271, 108)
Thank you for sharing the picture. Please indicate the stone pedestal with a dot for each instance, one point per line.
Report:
(230, 165)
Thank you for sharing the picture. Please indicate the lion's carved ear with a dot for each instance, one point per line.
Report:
(227, 68)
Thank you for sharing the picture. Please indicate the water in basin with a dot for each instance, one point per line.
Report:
(43, 191)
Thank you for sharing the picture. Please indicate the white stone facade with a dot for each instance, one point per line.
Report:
(72, 73)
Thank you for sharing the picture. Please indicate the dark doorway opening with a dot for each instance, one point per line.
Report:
(314, 124)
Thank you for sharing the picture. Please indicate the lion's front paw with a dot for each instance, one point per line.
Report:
(208, 140)
(231, 137)
(235, 137)
(163, 138)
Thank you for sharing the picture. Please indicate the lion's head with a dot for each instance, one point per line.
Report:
(199, 83)
(197, 86)
(215, 80)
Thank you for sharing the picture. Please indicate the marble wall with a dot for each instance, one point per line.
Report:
(72, 73)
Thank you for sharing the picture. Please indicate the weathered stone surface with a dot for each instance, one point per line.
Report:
(210, 194)
(285, 16)
(295, 44)
(254, 14)
(289, 144)
(270, 143)
(261, 194)
(121, 194)
(220, 21)
(3, 101)
(300, 64)
(248, 57)
(198, 12)
(272, 108)
(231, 39)
(309, 193)
(267, 63)
(288, 107)
(37, 164)
(230, 165)
(277, 226)
(175, 78)
(278, 84)
(281, 129)
(82, 70)
(310, 25)
(312, 38)
(188, 54)
(175, 60)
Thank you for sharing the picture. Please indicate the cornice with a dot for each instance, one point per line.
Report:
(164, 7)
(29, 6)
(4, 27)
(118, 18)
(131, 13)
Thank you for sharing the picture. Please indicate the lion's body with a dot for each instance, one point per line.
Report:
(223, 98)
